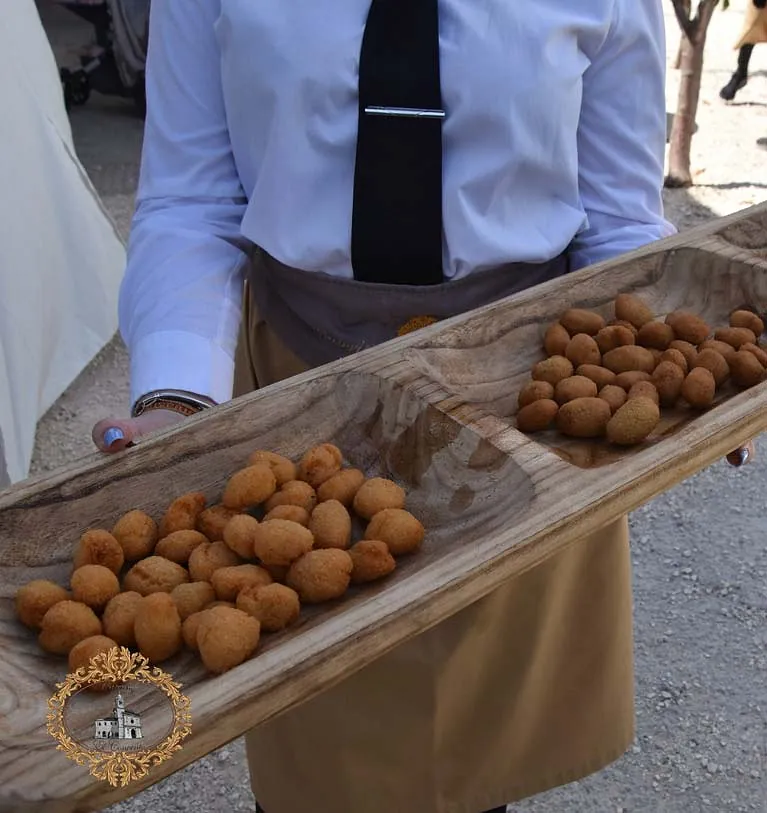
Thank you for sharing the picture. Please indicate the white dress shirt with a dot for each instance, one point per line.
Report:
(554, 134)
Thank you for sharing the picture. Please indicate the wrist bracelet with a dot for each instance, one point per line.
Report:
(181, 401)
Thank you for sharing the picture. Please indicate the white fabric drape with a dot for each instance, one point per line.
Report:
(61, 258)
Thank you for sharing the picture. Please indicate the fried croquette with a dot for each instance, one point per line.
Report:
(249, 487)
(377, 494)
(94, 585)
(342, 487)
(228, 581)
(35, 598)
(182, 513)
(207, 558)
(582, 349)
(715, 363)
(398, 528)
(724, 349)
(537, 391)
(735, 336)
(614, 336)
(226, 638)
(179, 545)
(276, 606)
(99, 547)
(689, 351)
(552, 370)
(192, 597)
(321, 575)
(628, 379)
(154, 574)
(584, 417)
(629, 358)
(295, 513)
(633, 422)
(756, 351)
(688, 327)
(294, 492)
(212, 521)
(555, 340)
(137, 534)
(320, 464)
(601, 376)
(281, 541)
(189, 629)
(371, 560)
(675, 357)
(576, 386)
(284, 470)
(747, 319)
(746, 369)
(81, 653)
(668, 379)
(238, 535)
(539, 415)
(158, 627)
(331, 525)
(699, 388)
(66, 624)
(644, 389)
(632, 309)
(580, 320)
(615, 396)
(119, 617)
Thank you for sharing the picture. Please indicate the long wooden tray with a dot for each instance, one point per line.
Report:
(435, 411)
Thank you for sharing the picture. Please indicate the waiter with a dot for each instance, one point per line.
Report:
(362, 166)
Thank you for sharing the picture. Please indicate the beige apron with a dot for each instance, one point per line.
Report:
(527, 689)
(754, 28)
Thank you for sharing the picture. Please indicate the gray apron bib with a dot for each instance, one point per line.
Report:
(322, 318)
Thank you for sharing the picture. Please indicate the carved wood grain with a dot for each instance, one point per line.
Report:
(423, 409)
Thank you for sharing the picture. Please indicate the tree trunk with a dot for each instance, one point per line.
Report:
(691, 69)
(678, 60)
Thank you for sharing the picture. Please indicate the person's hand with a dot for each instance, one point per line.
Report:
(115, 434)
(742, 455)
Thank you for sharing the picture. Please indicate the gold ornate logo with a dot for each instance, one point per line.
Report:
(119, 716)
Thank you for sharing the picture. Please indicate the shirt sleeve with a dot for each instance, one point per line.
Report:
(181, 296)
(622, 136)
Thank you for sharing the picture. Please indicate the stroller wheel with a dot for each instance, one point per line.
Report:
(76, 87)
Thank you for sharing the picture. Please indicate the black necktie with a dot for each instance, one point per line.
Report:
(397, 215)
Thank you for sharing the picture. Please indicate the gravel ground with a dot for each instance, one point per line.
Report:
(700, 562)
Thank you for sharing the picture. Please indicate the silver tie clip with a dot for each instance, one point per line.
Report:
(406, 112)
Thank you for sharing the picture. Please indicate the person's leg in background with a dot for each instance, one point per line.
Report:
(739, 79)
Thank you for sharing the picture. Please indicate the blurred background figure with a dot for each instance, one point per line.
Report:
(754, 31)
(61, 258)
(115, 64)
